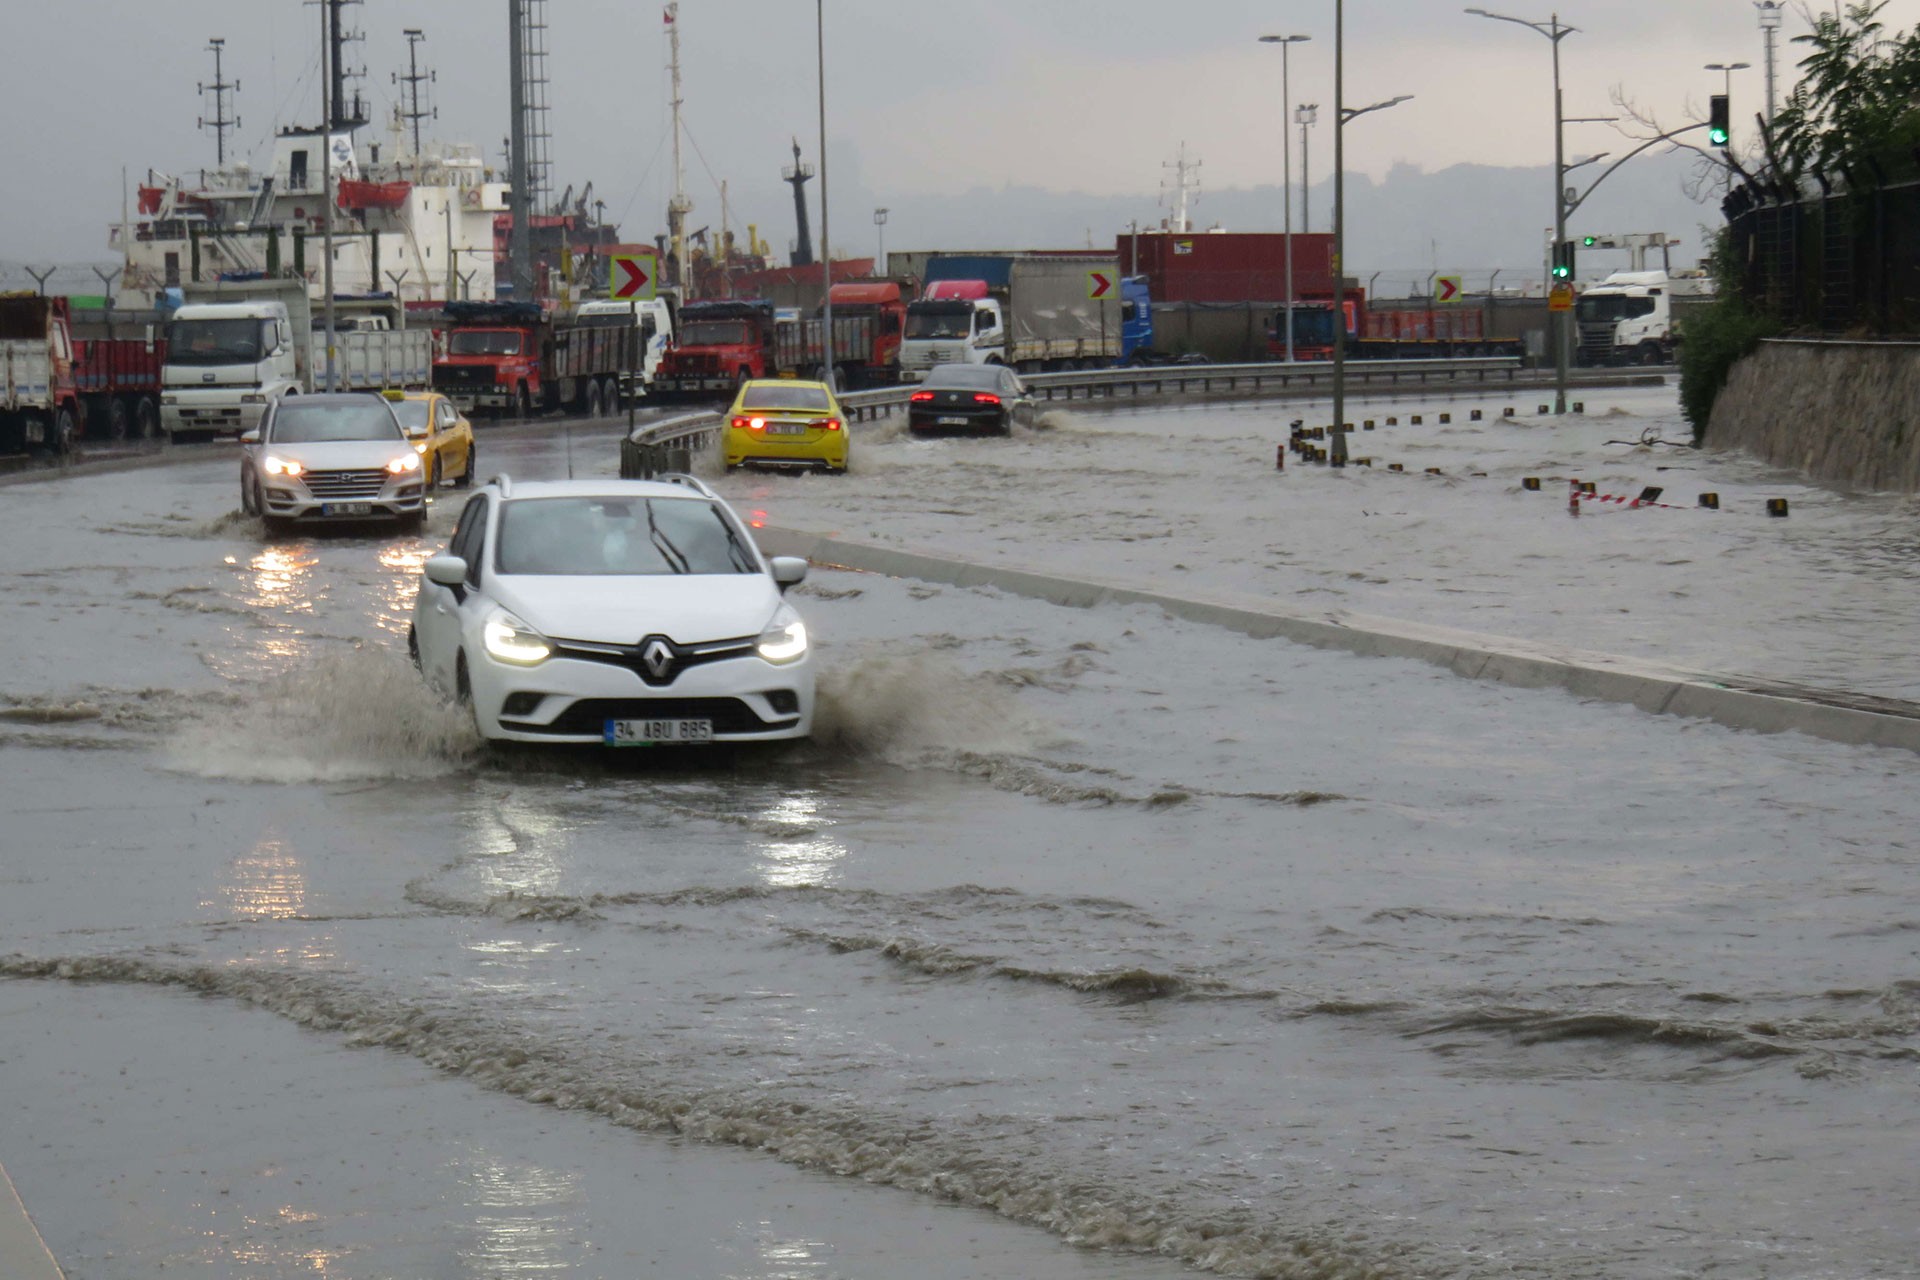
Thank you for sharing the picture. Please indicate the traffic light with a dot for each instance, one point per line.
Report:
(1587, 241)
(1717, 130)
(1563, 260)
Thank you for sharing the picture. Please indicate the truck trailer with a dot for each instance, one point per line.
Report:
(1410, 331)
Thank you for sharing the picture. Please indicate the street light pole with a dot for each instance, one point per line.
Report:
(1307, 113)
(1286, 174)
(1338, 454)
(880, 253)
(1555, 31)
(1770, 20)
(826, 239)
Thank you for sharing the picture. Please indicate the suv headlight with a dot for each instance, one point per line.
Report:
(511, 640)
(785, 638)
(276, 466)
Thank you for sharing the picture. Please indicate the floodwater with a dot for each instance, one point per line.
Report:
(1080, 943)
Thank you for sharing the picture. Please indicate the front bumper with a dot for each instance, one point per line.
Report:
(828, 450)
(400, 498)
(568, 700)
(218, 417)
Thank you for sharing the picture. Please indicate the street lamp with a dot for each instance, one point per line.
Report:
(826, 237)
(1307, 113)
(1770, 20)
(1555, 31)
(880, 253)
(1338, 454)
(1729, 68)
(1286, 175)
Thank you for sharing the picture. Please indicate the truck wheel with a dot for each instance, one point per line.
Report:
(64, 430)
(523, 403)
(146, 419)
(118, 419)
(594, 405)
(1650, 353)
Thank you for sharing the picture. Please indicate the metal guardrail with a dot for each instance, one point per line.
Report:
(667, 444)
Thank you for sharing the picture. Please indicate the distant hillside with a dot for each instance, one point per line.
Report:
(1466, 220)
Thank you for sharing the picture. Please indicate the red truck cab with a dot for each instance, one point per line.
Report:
(718, 345)
(493, 356)
(881, 300)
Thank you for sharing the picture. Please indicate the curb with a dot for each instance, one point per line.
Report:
(23, 1254)
(1757, 706)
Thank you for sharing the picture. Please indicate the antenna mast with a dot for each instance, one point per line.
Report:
(413, 80)
(344, 113)
(219, 123)
(1186, 179)
(679, 207)
(797, 174)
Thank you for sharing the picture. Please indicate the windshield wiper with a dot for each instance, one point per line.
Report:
(676, 559)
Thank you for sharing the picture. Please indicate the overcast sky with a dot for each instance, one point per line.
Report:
(924, 97)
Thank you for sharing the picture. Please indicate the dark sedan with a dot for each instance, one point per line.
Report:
(971, 398)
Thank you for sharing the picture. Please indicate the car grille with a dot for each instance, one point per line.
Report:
(463, 377)
(629, 656)
(589, 715)
(332, 485)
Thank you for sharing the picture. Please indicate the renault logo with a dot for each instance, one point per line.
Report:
(658, 657)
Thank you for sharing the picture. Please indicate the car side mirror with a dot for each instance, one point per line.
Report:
(788, 571)
(250, 437)
(419, 433)
(446, 570)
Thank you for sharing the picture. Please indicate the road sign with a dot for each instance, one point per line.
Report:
(1099, 284)
(1561, 299)
(631, 276)
(1447, 289)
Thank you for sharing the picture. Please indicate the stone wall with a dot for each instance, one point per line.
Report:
(1845, 413)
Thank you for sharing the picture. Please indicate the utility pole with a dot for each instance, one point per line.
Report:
(1305, 115)
(826, 238)
(1770, 20)
(880, 234)
(219, 123)
(329, 84)
(1286, 176)
(519, 192)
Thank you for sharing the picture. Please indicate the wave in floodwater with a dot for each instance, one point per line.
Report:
(348, 715)
(1014, 1175)
(899, 709)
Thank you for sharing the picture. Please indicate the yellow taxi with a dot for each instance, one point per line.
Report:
(784, 422)
(441, 435)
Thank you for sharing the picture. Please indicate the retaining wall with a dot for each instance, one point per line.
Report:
(1845, 413)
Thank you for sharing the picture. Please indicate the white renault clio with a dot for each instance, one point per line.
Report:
(623, 612)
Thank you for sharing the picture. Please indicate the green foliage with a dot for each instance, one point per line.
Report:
(1714, 338)
(1854, 107)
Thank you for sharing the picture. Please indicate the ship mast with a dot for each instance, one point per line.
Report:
(679, 207)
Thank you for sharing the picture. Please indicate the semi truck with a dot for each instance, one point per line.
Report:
(1035, 312)
(70, 376)
(1636, 317)
(517, 357)
(235, 346)
(723, 343)
(1414, 331)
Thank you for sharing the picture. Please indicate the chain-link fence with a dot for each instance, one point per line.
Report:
(1836, 261)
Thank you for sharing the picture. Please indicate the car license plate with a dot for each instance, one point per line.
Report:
(655, 733)
(346, 508)
(786, 428)
(950, 422)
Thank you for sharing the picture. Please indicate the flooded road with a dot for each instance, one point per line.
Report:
(1079, 943)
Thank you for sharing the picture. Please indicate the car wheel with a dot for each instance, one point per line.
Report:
(466, 474)
(248, 503)
(413, 647)
(433, 471)
(463, 694)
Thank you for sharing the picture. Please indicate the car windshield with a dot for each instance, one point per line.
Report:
(227, 341)
(315, 421)
(774, 395)
(1611, 307)
(483, 342)
(618, 536)
(971, 377)
(942, 322)
(713, 333)
(413, 414)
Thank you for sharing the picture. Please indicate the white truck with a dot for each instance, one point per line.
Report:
(654, 319)
(235, 347)
(1635, 317)
(1035, 312)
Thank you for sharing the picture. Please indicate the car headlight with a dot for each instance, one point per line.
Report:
(785, 638)
(169, 398)
(280, 466)
(511, 640)
(253, 399)
(404, 463)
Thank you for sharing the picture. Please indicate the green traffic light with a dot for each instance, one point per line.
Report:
(1718, 137)
(1587, 241)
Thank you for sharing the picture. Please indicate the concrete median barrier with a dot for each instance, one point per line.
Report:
(1834, 715)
